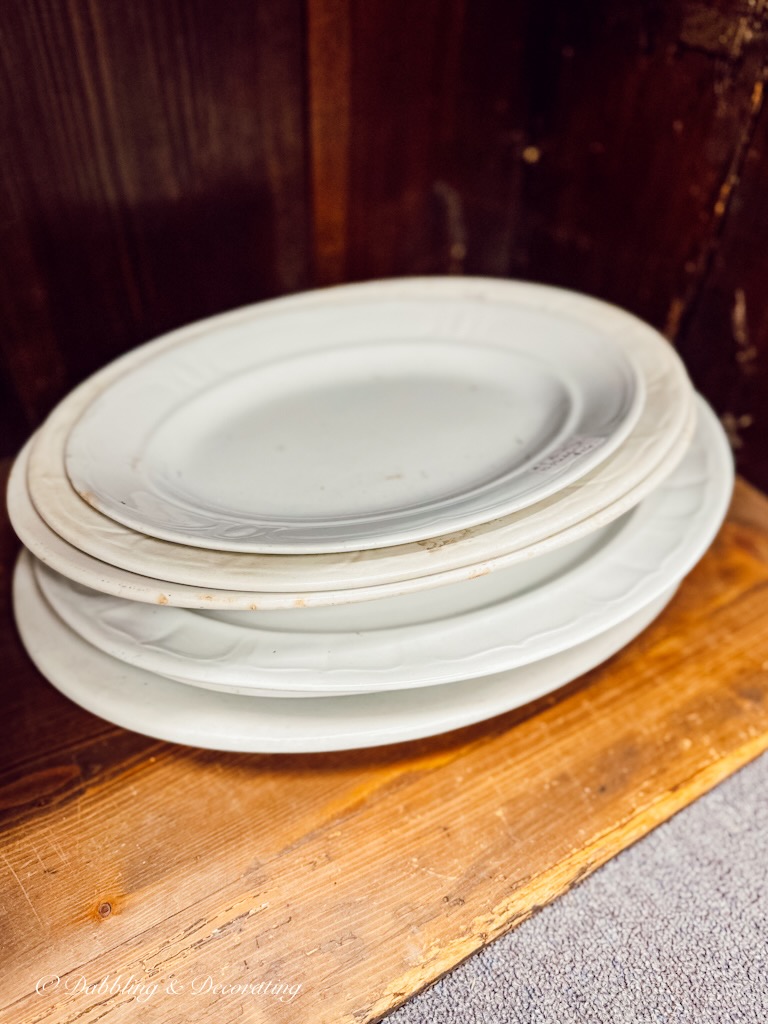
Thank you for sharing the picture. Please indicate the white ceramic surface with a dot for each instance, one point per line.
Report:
(137, 700)
(658, 440)
(95, 574)
(500, 621)
(354, 426)
(302, 652)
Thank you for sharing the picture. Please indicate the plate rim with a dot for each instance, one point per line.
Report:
(180, 710)
(574, 606)
(95, 452)
(658, 433)
(92, 572)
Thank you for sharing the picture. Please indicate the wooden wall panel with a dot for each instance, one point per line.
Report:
(153, 172)
(583, 144)
(597, 146)
(329, 56)
(163, 160)
(724, 339)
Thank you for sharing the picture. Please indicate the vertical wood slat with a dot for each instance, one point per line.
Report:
(329, 70)
(724, 336)
(166, 161)
(154, 172)
(589, 147)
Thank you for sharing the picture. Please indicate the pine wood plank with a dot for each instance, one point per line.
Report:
(360, 877)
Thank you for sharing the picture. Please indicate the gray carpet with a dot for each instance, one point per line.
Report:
(675, 929)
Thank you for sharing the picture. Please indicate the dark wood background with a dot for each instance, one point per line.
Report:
(167, 159)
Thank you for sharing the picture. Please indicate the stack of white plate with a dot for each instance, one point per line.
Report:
(362, 515)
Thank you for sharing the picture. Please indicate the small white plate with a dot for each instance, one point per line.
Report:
(658, 439)
(146, 703)
(497, 622)
(354, 426)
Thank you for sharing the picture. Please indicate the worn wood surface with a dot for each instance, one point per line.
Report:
(163, 160)
(615, 148)
(359, 877)
(153, 171)
(725, 338)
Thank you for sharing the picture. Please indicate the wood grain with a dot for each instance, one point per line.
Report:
(328, 72)
(584, 145)
(171, 160)
(360, 877)
(154, 172)
(595, 146)
(724, 339)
